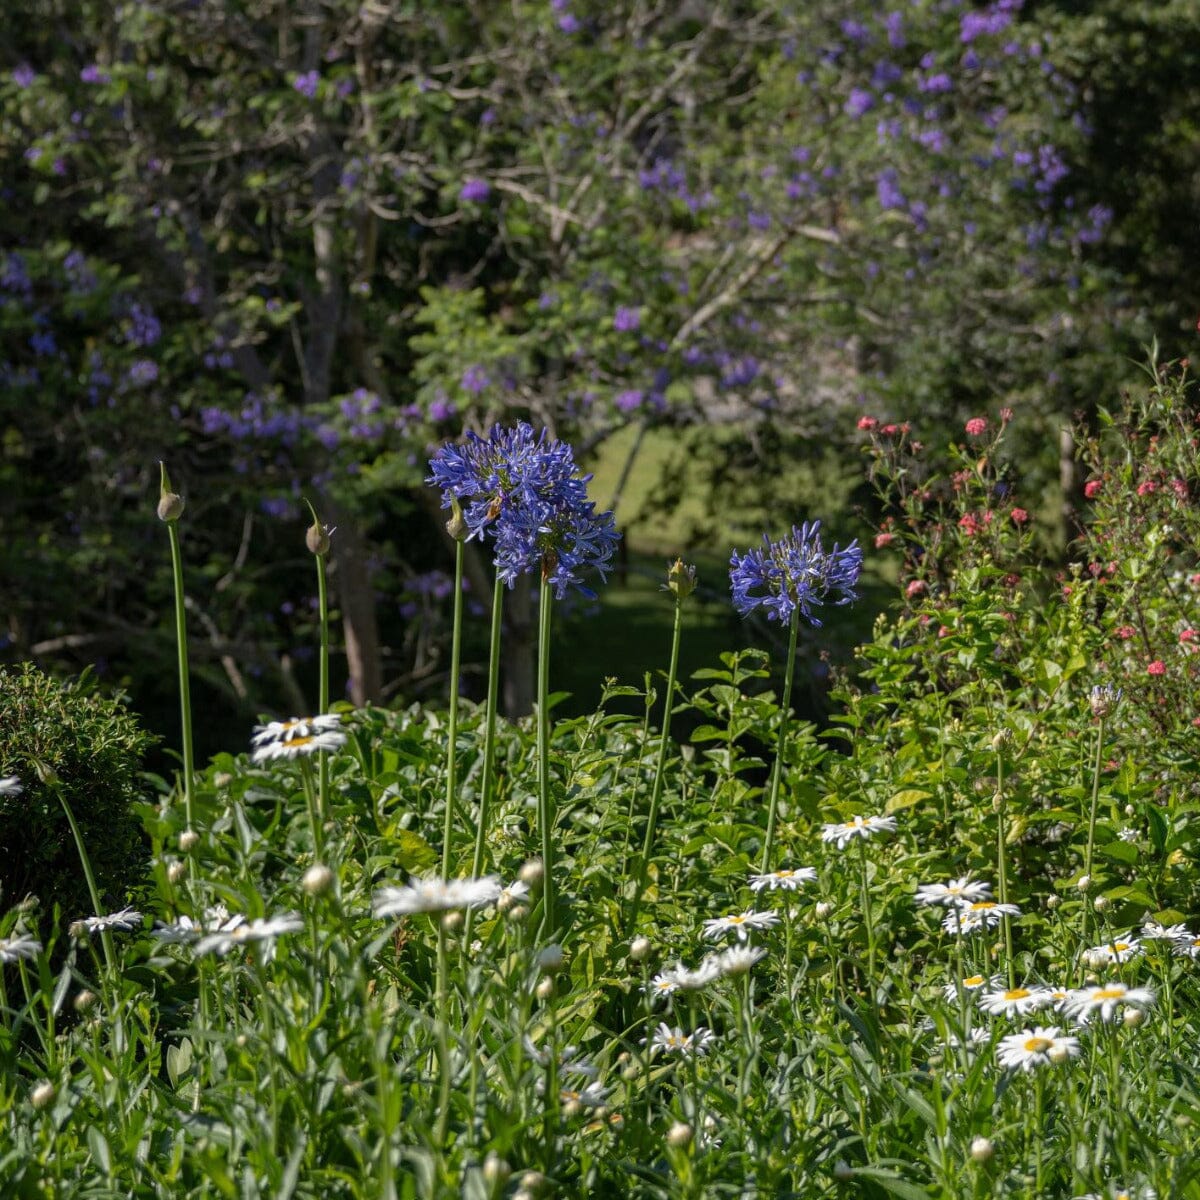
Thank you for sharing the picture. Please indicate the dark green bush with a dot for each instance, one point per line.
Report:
(94, 746)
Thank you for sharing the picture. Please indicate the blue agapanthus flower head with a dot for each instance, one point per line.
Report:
(525, 492)
(795, 573)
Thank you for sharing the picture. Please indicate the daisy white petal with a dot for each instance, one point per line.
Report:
(953, 892)
(1104, 1001)
(1119, 950)
(842, 832)
(1152, 931)
(297, 727)
(1016, 1001)
(436, 895)
(126, 921)
(11, 786)
(299, 746)
(787, 879)
(977, 915)
(972, 983)
(739, 923)
(675, 1041)
(1032, 1048)
(18, 946)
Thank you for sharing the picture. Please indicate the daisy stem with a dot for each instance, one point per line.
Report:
(1001, 867)
(452, 732)
(964, 1016)
(323, 685)
(545, 804)
(660, 770)
(1038, 1138)
(88, 874)
(314, 815)
(866, 907)
(776, 777)
(1091, 836)
(489, 735)
(185, 694)
(441, 1003)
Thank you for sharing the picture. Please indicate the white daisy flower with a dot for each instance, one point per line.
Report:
(126, 921)
(1119, 950)
(514, 893)
(1152, 931)
(1038, 1047)
(843, 831)
(298, 746)
(297, 727)
(569, 1060)
(1187, 946)
(979, 914)
(740, 923)
(954, 892)
(1085, 1003)
(675, 1041)
(18, 946)
(663, 984)
(1127, 835)
(591, 1095)
(787, 879)
(435, 895)
(972, 983)
(737, 960)
(1014, 1001)
(238, 931)
(181, 931)
(11, 786)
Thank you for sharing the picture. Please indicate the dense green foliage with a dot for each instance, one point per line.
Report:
(1004, 725)
(68, 741)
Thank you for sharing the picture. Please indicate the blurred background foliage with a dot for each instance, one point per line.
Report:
(290, 247)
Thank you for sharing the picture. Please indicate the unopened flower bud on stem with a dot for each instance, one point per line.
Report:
(170, 504)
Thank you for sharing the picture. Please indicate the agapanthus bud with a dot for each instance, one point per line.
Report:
(457, 526)
(316, 536)
(170, 503)
(681, 579)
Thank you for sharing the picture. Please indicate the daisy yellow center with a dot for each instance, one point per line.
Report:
(980, 905)
(1120, 947)
(1196, 942)
(307, 740)
(569, 1095)
(1038, 1045)
(784, 874)
(1108, 993)
(973, 981)
(736, 920)
(664, 985)
(1016, 994)
(853, 824)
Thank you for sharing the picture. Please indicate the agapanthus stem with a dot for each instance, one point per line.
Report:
(660, 770)
(489, 734)
(185, 694)
(86, 862)
(323, 686)
(452, 732)
(545, 803)
(777, 775)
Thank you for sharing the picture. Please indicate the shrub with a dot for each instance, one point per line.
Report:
(93, 745)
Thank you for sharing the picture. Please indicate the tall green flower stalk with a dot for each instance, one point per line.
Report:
(681, 583)
(456, 527)
(1002, 739)
(545, 800)
(170, 509)
(316, 538)
(784, 712)
(1103, 701)
(488, 782)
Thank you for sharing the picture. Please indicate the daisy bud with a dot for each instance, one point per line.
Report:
(823, 909)
(532, 873)
(1133, 1017)
(77, 931)
(170, 504)
(681, 579)
(522, 1194)
(843, 1172)
(517, 913)
(84, 1001)
(680, 1135)
(1002, 738)
(1084, 882)
(222, 779)
(456, 527)
(42, 1094)
(533, 1181)
(188, 840)
(571, 1110)
(1130, 810)
(981, 1149)
(1053, 902)
(544, 989)
(176, 871)
(631, 1072)
(241, 1040)
(495, 1170)
(550, 958)
(452, 921)
(1100, 903)
(317, 879)
(639, 949)
(1058, 1053)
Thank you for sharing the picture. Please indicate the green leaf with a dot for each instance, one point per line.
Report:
(906, 799)
(411, 852)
